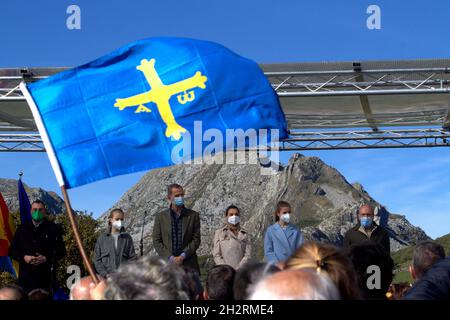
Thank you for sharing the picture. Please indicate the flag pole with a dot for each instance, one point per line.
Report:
(76, 234)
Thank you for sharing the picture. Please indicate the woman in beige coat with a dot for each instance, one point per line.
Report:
(232, 243)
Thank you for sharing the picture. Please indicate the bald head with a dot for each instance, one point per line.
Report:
(81, 290)
(367, 209)
(12, 293)
(301, 284)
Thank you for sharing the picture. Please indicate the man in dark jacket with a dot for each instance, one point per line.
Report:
(367, 230)
(37, 245)
(434, 285)
(176, 232)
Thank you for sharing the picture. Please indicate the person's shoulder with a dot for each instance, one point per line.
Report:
(353, 229)
(381, 230)
(52, 225)
(190, 211)
(162, 212)
(219, 232)
(102, 236)
(126, 235)
(243, 230)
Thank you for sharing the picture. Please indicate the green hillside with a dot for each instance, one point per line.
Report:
(403, 257)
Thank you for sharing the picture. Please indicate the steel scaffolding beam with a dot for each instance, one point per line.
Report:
(20, 142)
(368, 104)
(359, 139)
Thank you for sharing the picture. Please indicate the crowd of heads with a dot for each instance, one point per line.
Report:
(316, 271)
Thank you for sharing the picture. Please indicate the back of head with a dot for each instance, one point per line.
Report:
(304, 284)
(425, 255)
(364, 257)
(149, 278)
(219, 283)
(39, 295)
(328, 260)
(248, 275)
(194, 283)
(81, 289)
(12, 292)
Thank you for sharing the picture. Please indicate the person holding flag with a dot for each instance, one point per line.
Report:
(37, 245)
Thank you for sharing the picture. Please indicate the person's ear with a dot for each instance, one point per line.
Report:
(205, 295)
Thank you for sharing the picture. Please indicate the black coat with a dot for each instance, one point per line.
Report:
(46, 239)
(379, 236)
(434, 284)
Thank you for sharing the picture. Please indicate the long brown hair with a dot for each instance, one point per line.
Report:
(280, 204)
(111, 214)
(327, 259)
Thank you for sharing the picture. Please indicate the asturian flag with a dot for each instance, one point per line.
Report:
(125, 111)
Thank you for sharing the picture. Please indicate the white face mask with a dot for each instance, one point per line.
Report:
(117, 224)
(234, 220)
(286, 217)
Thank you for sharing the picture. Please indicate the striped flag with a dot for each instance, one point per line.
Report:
(7, 230)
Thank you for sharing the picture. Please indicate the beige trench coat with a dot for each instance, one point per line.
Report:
(231, 249)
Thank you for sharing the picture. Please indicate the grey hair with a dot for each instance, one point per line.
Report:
(149, 278)
(311, 286)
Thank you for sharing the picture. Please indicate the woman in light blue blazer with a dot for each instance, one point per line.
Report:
(282, 238)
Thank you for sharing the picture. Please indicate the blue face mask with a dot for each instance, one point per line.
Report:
(179, 201)
(366, 222)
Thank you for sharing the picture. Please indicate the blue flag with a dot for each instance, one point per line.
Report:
(24, 204)
(128, 110)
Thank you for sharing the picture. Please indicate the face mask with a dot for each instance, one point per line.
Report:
(286, 217)
(117, 224)
(179, 201)
(366, 222)
(37, 215)
(234, 220)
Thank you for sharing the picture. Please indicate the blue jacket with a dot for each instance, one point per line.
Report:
(279, 245)
(434, 284)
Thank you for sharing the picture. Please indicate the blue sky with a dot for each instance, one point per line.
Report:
(407, 181)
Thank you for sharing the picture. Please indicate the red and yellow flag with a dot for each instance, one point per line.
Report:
(7, 230)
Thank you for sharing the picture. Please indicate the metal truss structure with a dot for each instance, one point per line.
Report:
(332, 105)
(363, 139)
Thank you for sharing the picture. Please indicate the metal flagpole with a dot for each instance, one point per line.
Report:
(142, 234)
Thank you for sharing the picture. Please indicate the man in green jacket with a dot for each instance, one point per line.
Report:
(367, 230)
(176, 232)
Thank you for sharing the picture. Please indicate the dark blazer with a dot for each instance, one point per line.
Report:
(46, 239)
(162, 236)
(107, 258)
(379, 236)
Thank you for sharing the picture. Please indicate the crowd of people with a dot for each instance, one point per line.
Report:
(293, 269)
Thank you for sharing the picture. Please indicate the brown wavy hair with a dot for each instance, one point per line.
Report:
(329, 260)
(280, 204)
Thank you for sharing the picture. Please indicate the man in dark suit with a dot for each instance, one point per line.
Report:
(176, 232)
